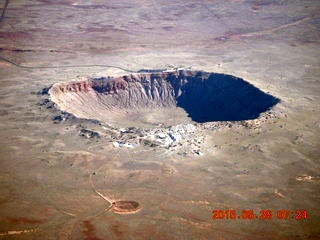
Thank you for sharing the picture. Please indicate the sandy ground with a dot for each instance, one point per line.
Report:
(45, 192)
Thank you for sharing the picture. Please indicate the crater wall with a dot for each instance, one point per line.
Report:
(176, 97)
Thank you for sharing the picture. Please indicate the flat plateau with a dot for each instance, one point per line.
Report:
(47, 156)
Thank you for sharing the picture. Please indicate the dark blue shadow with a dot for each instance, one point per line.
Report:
(208, 97)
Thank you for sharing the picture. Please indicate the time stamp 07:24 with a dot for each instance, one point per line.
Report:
(250, 214)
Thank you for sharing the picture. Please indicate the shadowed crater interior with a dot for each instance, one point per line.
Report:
(163, 96)
(219, 97)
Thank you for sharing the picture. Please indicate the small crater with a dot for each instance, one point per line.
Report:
(125, 207)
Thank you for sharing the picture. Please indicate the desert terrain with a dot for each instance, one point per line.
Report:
(54, 164)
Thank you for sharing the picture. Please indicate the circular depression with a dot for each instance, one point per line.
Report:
(125, 207)
(169, 98)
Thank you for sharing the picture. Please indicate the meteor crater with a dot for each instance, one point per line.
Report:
(170, 98)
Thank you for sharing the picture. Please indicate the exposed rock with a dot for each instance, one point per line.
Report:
(46, 103)
(118, 144)
(88, 134)
(57, 119)
(44, 91)
(184, 136)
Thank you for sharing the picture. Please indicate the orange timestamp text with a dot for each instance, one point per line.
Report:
(265, 214)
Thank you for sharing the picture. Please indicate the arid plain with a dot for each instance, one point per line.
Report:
(46, 159)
